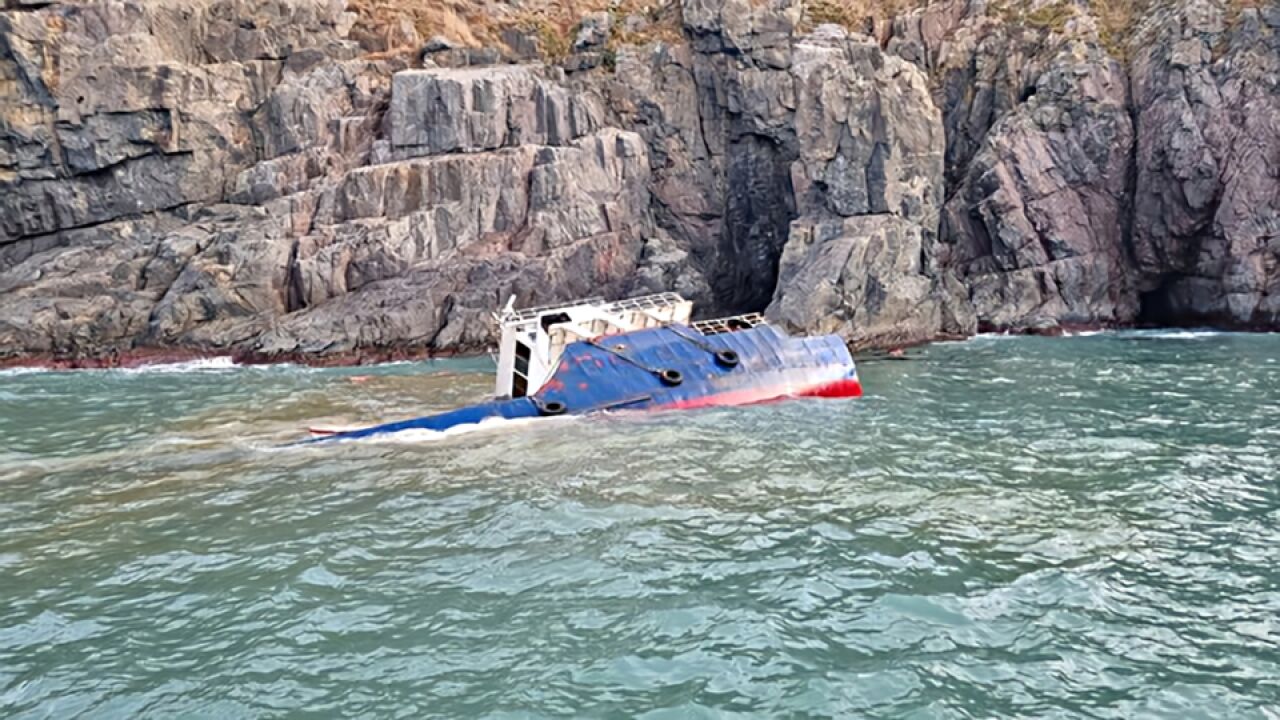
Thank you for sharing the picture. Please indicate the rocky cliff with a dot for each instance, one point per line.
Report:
(268, 179)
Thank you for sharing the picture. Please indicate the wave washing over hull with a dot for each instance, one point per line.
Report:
(496, 425)
(1034, 527)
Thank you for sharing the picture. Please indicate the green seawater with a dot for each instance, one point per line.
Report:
(1029, 527)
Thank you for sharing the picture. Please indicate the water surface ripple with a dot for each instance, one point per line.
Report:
(1079, 527)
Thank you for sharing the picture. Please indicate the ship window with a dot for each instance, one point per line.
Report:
(522, 359)
(552, 318)
(520, 374)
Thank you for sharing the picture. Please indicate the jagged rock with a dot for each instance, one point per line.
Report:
(786, 138)
(438, 43)
(1206, 226)
(87, 289)
(225, 175)
(1036, 229)
(763, 29)
(582, 61)
(121, 237)
(593, 31)
(382, 220)
(458, 233)
(666, 266)
(656, 91)
(120, 107)
(523, 44)
(982, 68)
(868, 189)
(870, 139)
(863, 278)
(447, 305)
(469, 110)
(463, 57)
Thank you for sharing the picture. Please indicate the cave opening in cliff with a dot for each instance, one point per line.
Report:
(1156, 307)
(1153, 308)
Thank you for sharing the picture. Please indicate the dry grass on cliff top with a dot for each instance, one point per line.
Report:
(461, 21)
(857, 15)
(477, 23)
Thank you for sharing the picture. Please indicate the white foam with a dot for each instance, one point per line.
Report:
(1175, 334)
(414, 436)
(22, 370)
(186, 366)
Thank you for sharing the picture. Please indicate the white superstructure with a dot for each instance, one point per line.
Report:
(531, 340)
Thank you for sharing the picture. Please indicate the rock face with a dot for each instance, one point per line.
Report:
(227, 176)
(420, 252)
(1206, 225)
(868, 187)
(114, 109)
(981, 68)
(1036, 228)
(235, 190)
(810, 152)
(477, 109)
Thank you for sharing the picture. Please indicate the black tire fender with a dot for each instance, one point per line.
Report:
(727, 358)
(552, 407)
(671, 376)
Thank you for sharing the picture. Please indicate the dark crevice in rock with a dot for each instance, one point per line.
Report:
(1131, 181)
(758, 211)
(25, 5)
(175, 209)
(294, 298)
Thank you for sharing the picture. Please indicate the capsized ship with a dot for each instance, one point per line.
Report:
(642, 353)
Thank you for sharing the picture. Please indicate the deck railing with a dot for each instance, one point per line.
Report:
(644, 302)
(729, 324)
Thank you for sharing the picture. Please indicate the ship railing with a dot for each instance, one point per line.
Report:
(656, 301)
(532, 313)
(646, 302)
(729, 324)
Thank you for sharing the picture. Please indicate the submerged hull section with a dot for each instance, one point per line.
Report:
(672, 367)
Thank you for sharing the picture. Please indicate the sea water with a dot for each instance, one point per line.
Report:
(1069, 527)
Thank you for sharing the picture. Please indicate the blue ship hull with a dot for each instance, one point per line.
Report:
(666, 367)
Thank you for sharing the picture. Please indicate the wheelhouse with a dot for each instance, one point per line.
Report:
(531, 340)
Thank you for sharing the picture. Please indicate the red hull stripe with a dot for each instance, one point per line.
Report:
(846, 388)
(843, 388)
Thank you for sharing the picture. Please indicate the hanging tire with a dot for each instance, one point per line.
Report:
(727, 358)
(671, 377)
(552, 407)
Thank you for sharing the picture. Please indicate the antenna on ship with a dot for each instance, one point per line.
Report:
(506, 311)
